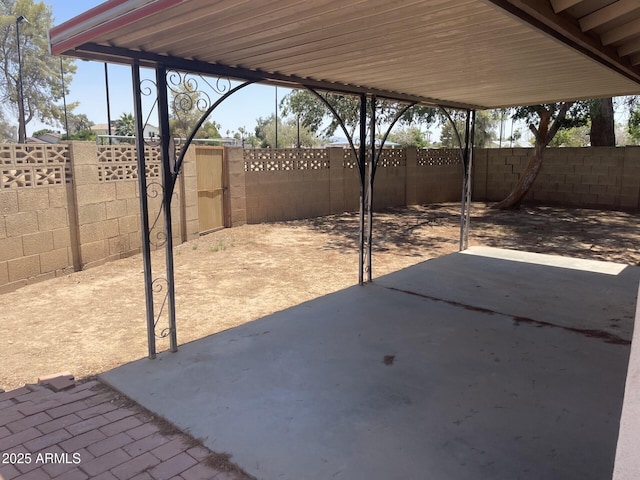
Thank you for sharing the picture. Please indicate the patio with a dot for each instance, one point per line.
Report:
(433, 370)
(387, 380)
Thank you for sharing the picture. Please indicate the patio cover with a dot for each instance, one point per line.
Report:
(471, 54)
(460, 53)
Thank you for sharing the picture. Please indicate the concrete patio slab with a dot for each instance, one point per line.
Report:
(570, 292)
(380, 382)
(627, 465)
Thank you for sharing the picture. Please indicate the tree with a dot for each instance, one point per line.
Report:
(187, 108)
(544, 122)
(82, 135)
(265, 132)
(79, 128)
(126, 125)
(42, 85)
(7, 131)
(485, 124)
(571, 137)
(43, 131)
(209, 129)
(78, 123)
(633, 124)
(410, 137)
(245, 138)
(315, 115)
(603, 130)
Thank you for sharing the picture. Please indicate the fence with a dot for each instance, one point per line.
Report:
(68, 207)
(595, 177)
(285, 184)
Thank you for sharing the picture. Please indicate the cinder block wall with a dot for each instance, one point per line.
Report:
(285, 184)
(108, 204)
(390, 184)
(69, 207)
(35, 216)
(274, 185)
(438, 176)
(597, 177)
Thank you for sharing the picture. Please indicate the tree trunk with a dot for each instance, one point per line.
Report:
(602, 123)
(524, 183)
(544, 133)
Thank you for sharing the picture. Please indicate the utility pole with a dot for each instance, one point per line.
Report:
(106, 85)
(22, 128)
(64, 100)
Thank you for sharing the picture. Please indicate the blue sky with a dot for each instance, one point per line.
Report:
(88, 87)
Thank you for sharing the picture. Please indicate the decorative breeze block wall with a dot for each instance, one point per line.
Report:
(35, 216)
(291, 184)
(34, 165)
(68, 207)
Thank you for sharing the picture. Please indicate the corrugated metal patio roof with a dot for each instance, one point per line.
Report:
(475, 53)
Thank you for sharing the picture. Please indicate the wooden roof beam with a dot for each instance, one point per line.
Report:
(562, 5)
(630, 48)
(621, 33)
(608, 13)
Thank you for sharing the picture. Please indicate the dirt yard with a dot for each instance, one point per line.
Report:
(94, 320)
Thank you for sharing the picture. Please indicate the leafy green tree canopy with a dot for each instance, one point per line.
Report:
(42, 84)
(186, 109)
(78, 123)
(126, 125)
(633, 124)
(265, 132)
(545, 121)
(484, 129)
(555, 116)
(7, 131)
(571, 137)
(315, 115)
(86, 135)
(43, 131)
(410, 137)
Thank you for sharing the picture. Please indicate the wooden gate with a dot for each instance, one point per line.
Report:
(212, 187)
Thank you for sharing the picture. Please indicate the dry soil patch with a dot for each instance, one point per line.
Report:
(92, 321)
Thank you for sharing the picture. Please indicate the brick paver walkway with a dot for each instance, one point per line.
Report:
(90, 431)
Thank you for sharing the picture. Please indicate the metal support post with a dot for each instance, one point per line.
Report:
(106, 87)
(467, 162)
(362, 170)
(167, 190)
(144, 211)
(469, 177)
(22, 129)
(370, 178)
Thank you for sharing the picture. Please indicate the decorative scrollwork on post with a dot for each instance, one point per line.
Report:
(182, 103)
(190, 100)
(149, 88)
(222, 86)
(157, 235)
(159, 288)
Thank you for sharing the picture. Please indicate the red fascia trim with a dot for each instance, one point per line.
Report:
(83, 17)
(88, 35)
